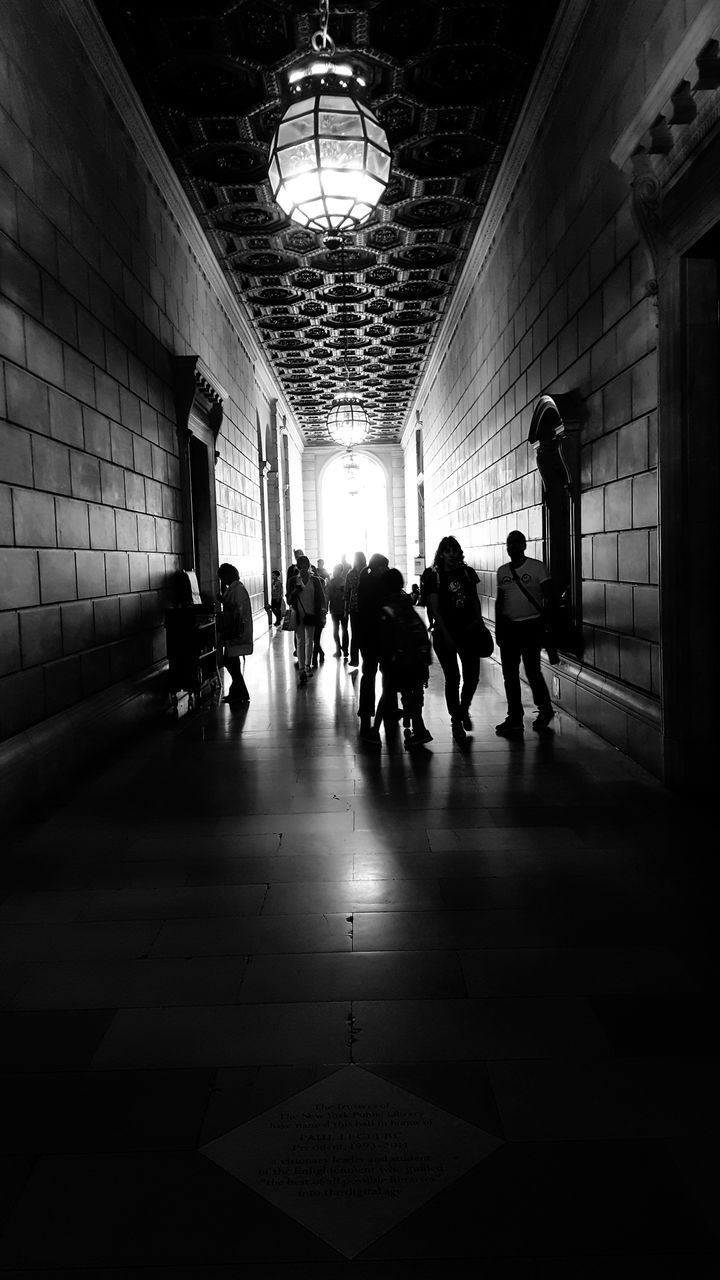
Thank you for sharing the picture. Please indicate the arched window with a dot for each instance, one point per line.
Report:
(353, 508)
(554, 433)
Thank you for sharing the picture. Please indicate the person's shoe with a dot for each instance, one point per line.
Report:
(338, 653)
(509, 729)
(321, 655)
(371, 735)
(458, 732)
(345, 653)
(543, 719)
(417, 739)
(466, 721)
(303, 678)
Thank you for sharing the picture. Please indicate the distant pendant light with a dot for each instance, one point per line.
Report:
(347, 421)
(351, 469)
(329, 156)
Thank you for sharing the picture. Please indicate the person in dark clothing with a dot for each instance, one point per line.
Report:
(352, 580)
(524, 589)
(369, 602)
(308, 599)
(405, 657)
(450, 588)
(336, 603)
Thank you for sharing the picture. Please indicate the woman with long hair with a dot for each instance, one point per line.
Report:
(450, 589)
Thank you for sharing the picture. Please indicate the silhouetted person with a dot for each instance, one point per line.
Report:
(236, 623)
(369, 603)
(336, 603)
(451, 592)
(352, 581)
(523, 589)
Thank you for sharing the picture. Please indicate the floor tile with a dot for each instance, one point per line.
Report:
(225, 1035)
(525, 938)
(355, 976)
(250, 935)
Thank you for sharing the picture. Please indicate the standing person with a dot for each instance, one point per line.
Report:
(523, 588)
(276, 597)
(336, 602)
(321, 571)
(454, 607)
(369, 604)
(236, 624)
(307, 598)
(321, 619)
(351, 605)
(405, 657)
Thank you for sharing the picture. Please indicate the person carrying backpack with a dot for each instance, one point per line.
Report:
(405, 657)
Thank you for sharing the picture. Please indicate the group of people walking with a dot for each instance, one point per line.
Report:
(375, 619)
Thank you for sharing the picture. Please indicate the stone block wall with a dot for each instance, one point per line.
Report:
(559, 305)
(99, 289)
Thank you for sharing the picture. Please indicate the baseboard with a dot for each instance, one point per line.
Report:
(36, 765)
(628, 718)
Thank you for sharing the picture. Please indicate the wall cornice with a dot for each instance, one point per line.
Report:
(562, 37)
(105, 60)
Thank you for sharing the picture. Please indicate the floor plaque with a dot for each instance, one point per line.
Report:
(351, 1156)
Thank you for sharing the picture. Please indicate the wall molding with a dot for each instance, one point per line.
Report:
(37, 764)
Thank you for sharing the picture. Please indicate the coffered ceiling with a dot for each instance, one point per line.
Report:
(447, 79)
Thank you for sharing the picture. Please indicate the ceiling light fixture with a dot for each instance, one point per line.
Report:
(347, 421)
(329, 156)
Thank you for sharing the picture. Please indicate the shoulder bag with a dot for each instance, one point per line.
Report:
(548, 638)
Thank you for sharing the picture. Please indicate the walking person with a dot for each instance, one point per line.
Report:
(369, 604)
(320, 620)
(405, 657)
(306, 596)
(236, 625)
(523, 590)
(336, 603)
(450, 588)
(352, 581)
(276, 597)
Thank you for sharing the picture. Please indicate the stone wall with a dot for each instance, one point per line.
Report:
(559, 305)
(99, 289)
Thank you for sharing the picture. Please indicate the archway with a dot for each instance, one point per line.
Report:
(353, 508)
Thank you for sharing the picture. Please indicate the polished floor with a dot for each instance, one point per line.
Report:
(249, 900)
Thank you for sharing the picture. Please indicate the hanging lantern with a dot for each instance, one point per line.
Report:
(329, 156)
(347, 421)
(351, 469)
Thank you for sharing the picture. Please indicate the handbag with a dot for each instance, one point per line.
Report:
(289, 622)
(549, 644)
(482, 637)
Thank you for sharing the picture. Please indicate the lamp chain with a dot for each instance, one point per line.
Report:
(321, 39)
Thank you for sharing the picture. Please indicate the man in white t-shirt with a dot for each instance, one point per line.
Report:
(522, 588)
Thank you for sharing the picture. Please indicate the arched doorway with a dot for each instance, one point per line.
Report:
(353, 508)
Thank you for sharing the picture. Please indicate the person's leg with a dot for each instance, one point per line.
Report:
(238, 689)
(354, 640)
(510, 662)
(531, 662)
(336, 634)
(413, 697)
(345, 632)
(449, 663)
(303, 640)
(470, 660)
(366, 706)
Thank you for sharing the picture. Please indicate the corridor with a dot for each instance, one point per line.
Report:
(248, 901)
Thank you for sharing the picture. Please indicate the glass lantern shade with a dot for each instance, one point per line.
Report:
(347, 421)
(329, 156)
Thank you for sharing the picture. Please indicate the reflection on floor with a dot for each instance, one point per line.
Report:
(251, 904)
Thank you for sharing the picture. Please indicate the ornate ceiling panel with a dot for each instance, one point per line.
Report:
(447, 79)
